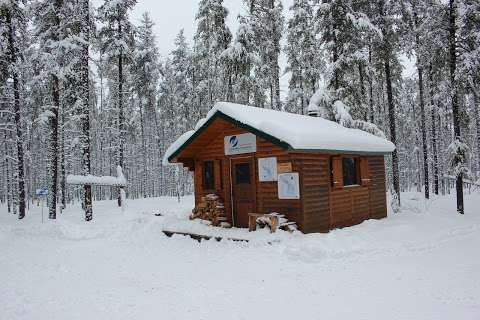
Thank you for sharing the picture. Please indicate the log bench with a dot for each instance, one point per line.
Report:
(252, 221)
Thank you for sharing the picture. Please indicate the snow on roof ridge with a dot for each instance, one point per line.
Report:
(301, 132)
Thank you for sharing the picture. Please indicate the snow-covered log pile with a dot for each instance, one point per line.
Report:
(283, 222)
(211, 209)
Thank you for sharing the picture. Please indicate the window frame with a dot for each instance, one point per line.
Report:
(337, 178)
(211, 184)
(356, 162)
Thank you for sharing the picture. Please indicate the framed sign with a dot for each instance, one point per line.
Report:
(284, 167)
(288, 186)
(267, 169)
(240, 143)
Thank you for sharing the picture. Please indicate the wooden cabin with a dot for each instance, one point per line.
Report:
(319, 174)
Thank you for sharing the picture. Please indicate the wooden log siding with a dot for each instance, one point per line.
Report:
(314, 190)
(267, 192)
(354, 204)
(378, 202)
(321, 207)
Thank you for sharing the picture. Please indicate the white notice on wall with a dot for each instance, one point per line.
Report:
(288, 186)
(267, 169)
(240, 143)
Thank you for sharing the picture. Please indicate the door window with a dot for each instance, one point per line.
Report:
(242, 173)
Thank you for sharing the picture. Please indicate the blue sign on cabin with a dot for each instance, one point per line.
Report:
(42, 192)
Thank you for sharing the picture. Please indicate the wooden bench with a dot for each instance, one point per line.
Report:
(252, 221)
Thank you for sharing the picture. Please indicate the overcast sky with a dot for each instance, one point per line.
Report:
(170, 16)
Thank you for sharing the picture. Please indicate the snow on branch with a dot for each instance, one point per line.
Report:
(118, 181)
(457, 154)
(322, 106)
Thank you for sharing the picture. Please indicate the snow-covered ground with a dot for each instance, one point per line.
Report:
(423, 263)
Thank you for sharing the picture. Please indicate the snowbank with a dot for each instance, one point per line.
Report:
(420, 264)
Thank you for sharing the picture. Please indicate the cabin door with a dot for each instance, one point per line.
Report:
(243, 190)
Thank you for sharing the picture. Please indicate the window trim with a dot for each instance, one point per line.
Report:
(339, 166)
(356, 161)
(211, 186)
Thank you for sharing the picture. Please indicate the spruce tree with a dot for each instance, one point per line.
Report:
(13, 18)
(116, 38)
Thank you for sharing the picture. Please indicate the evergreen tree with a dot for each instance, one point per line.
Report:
(267, 22)
(212, 37)
(49, 16)
(116, 38)
(12, 32)
(145, 70)
(241, 57)
(385, 20)
(84, 101)
(304, 57)
(458, 149)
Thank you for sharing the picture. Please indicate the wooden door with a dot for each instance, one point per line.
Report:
(243, 190)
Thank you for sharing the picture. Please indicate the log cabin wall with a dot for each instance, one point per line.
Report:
(378, 189)
(314, 190)
(351, 205)
(266, 192)
(321, 207)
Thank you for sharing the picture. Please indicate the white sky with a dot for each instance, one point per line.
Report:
(170, 16)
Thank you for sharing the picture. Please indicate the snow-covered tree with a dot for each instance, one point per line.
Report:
(145, 72)
(241, 56)
(267, 23)
(48, 23)
(12, 43)
(116, 38)
(212, 37)
(305, 61)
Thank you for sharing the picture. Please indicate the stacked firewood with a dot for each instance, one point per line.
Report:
(211, 209)
(282, 222)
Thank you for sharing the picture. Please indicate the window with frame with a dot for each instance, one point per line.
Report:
(242, 173)
(350, 171)
(208, 175)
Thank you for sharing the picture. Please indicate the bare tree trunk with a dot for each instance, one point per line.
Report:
(121, 117)
(53, 148)
(393, 130)
(424, 133)
(455, 104)
(85, 107)
(144, 151)
(17, 111)
(370, 83)
(63, 184)
(434, 135)
(476, 109)
(422, 104)
(7, 178)
(275, 69)
(362, 90)
(55, 109)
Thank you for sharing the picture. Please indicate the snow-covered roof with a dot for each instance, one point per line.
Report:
(293, 131)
